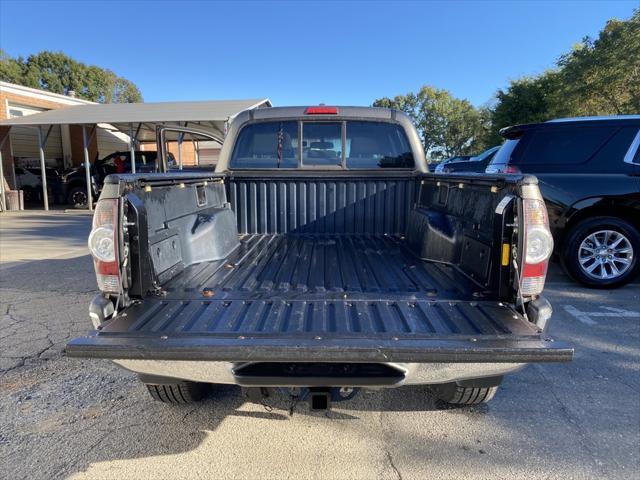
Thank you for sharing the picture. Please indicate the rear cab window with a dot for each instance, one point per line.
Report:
(267, 145)
(345, 144)
(377, 145)
(322, 144)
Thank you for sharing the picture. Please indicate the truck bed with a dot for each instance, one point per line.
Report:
(297, 297)
(314, 266)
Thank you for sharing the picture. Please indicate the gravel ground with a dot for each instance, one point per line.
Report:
(71, 418)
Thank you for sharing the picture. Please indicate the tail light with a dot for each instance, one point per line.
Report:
(511, 169)
(538, 245)
(321, 110)
(103, 244)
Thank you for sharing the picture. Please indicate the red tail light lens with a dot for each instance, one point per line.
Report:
(103, 245)
(511, 169)
(538, 246)
(321, 110)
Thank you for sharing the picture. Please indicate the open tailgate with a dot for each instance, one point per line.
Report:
(321, 331)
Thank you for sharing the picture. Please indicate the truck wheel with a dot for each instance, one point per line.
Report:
(178, 393)
(456, 395)
(78, 197)
(602, 252)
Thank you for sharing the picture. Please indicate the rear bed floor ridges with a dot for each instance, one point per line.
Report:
(421, 318)
(321, 263)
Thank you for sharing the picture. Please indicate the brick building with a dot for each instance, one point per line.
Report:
(64, 146)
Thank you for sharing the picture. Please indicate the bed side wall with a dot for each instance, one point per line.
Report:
(457, 221)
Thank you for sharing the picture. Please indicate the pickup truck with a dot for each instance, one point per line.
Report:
(321, 257)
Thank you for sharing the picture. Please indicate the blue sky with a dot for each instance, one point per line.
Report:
(306, 53)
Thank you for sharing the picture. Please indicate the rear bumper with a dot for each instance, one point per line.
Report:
(224, 373)
(233, 348)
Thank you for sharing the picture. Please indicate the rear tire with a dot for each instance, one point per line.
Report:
(178, 393)
(589, 236)
(454, 394)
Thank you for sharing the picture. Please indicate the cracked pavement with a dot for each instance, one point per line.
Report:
(84, 419)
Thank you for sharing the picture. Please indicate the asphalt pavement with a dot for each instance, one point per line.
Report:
(89, 419)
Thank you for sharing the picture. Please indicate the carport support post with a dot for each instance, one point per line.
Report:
(180, 137)
(43, 170)
(87, 167)
(3, 202)
(3, 194)
(132, 149)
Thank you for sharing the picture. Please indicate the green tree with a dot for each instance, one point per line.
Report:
(528, 100)
(59, 73)
(11, 69)
(598, 77)
(447, 125)
(605, 73)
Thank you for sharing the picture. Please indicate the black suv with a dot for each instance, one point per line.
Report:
(588, 169)
(74, 181)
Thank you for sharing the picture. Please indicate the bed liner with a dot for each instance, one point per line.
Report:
(296, 265)
(358, 298)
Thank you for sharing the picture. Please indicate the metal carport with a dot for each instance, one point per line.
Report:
(138, 120)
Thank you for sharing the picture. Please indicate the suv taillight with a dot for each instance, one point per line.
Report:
(510, 169)
(538, 245)
(103, 245)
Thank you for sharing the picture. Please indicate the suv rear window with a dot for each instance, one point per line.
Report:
(564, 145)
(503, 155)
(354, 144)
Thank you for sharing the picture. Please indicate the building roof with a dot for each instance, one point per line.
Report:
(206, 115)
(21, 90)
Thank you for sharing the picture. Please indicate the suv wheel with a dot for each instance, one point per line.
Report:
(602, 252)
(77, 197)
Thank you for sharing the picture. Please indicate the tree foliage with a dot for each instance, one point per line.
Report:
(59, 73)
(597, 77)
(527, 100)
(603, 75)
(447, 125)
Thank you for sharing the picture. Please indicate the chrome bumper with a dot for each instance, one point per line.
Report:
(222, 372)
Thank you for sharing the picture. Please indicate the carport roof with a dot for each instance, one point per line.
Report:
(209, 115)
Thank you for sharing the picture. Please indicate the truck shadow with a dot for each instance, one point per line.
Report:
(283, 406)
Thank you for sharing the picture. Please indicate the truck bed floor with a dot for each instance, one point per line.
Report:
(320, 298)
(296, 266)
